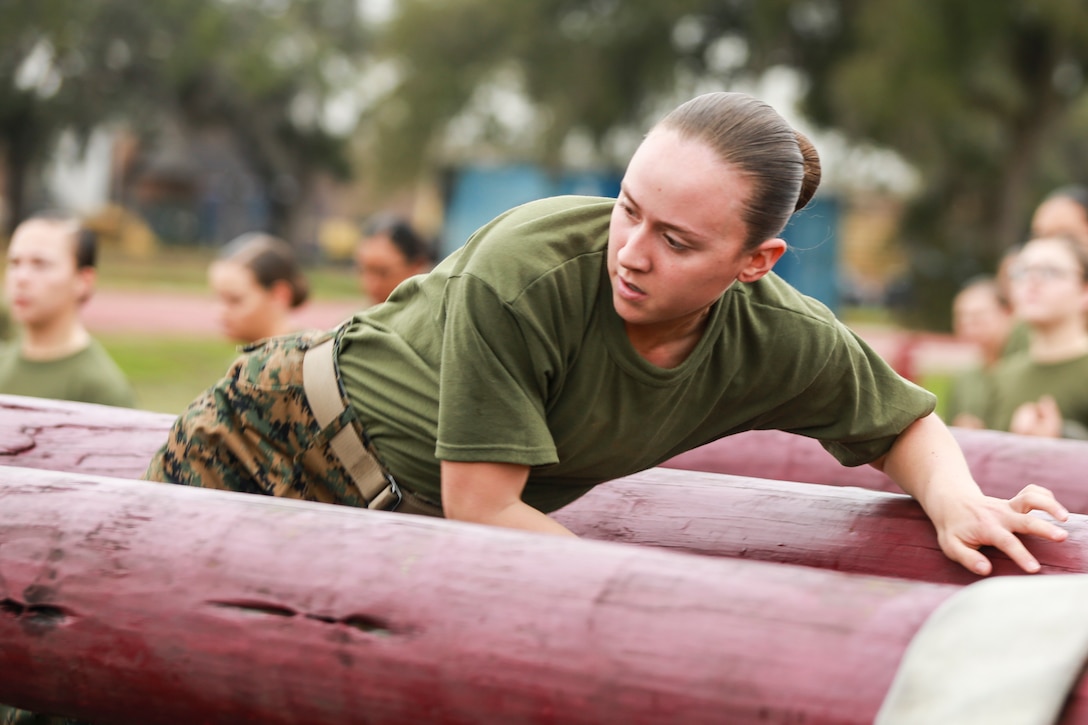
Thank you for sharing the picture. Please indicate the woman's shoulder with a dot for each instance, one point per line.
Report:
(560, 236)
(784, 323)
(772, 298)
(552, 221)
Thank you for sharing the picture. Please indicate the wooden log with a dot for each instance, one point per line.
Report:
(80, 437)
(130, 602)
(829, 527)
(66, 436)
(1002, 463)
(836, 528)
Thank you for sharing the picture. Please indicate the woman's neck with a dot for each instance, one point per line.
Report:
(667, 345)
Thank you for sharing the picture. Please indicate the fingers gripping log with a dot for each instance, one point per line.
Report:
(125, 601)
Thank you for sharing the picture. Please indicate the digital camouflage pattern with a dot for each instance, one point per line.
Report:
(254, 432)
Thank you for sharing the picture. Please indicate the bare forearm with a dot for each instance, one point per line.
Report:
(926, 462)
(490, 493)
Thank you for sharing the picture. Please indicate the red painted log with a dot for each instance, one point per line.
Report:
(829, 527)
(65, 436)
(837, 528)
(1002, 463)
(131, 602)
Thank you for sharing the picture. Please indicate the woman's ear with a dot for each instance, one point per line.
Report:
(282, 293)
(762, 259)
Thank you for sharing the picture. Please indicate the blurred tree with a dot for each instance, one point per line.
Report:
(588, 67)
(979, 97)
(975, 96)
(263, 69)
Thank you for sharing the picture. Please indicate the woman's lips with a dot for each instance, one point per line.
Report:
(629, 291)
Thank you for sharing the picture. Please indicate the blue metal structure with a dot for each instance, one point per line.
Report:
(479, 193)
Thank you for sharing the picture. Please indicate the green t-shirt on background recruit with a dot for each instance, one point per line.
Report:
(87, 376)
(511, 351)
(1017, 380)
(970, 392)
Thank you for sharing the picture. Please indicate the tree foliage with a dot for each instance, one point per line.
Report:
(260, 68)
(588, 67)
(981, 98)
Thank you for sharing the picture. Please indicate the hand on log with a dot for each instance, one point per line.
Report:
(969, 524)
(926, 461)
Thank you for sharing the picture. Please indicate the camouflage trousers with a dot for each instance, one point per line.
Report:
(254, 431)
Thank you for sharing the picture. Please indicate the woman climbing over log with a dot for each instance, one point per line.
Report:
(575, 340)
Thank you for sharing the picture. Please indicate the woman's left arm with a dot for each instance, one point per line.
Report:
(926, 462)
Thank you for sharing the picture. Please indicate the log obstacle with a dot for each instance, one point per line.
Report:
(828, 527)
(65, 436)
(123, 601)
(81, 437)
(1002, 463)
(838, 528)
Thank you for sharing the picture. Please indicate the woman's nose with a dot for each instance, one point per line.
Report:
(634, 254)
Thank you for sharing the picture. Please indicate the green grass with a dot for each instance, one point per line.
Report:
(169, 372)
(940, 384)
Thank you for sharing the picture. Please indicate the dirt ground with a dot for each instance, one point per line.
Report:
(187, 314)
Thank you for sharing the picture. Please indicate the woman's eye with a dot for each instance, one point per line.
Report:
(674, 244)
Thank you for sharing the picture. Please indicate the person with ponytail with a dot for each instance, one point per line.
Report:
(258, 284)
(575, 340)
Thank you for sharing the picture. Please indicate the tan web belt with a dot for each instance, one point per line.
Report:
(323, 393)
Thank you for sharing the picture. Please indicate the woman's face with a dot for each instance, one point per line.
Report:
(382, 266)
(1046, 283)
(676, 236)
(247, 311)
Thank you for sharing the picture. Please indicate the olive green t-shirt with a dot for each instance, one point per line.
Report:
(511, 351)
(87, 376)
(1018, 379)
